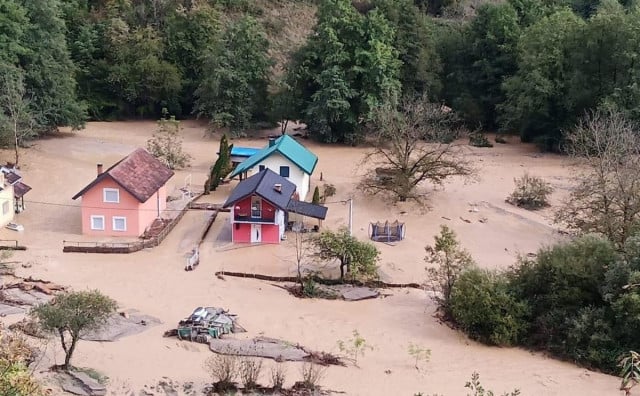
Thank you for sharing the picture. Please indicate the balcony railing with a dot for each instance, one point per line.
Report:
(246, 218)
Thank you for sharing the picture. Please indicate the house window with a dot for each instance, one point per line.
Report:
(97, 223)
(119, 223)
(5, 207)
(284, 171)
(261, 168)
(256, 206)
(111, 195)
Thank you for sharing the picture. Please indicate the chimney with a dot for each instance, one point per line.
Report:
(272, 141)
(99, 168)
(277, 187)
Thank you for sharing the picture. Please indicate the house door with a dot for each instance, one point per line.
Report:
(256, 233)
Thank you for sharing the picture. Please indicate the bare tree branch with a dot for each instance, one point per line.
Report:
(411, 145)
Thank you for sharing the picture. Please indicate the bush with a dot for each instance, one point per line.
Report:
(278, 376)
(558, 283)
(166, 144)
(223, 370)
(477, 139)
(484, 307)
(312, 374)
(250, 372)
(531, 192)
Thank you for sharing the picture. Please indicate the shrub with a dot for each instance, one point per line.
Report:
(450, 260)
(278, 376)
(531, 192)
(558, 283)
(223, 370)
(316, 196)
(478, 139)
(250, 372)
(312, 374)
(629, 371)
(328, 191)
(483, 306)
(354, 347)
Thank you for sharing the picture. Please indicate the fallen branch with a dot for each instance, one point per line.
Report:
(317, 279)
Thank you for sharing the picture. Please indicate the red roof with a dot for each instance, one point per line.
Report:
(139, 173)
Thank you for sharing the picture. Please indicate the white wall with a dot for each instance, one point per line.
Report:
(296, 175)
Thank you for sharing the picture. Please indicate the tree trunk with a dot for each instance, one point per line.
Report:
(342, 265)
(69, 353)
(15, 135)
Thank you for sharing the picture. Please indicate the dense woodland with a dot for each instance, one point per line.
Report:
(527, 67)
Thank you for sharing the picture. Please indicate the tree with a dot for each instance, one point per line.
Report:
(71, 314)
(412, 145)
(316, 196)
(606, 199)
(17, 122)
(49, 71)
(359, 258)
(537, 105)
(166, 144)
(234, 92)
(348, 67)
(222, 166)
(450, 260)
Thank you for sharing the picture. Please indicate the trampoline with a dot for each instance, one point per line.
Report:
(387, 232)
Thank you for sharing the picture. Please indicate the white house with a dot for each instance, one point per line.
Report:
(286, 157)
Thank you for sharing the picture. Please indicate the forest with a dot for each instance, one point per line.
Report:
(525, 67)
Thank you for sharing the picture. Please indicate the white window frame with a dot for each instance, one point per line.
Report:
(110, 190)
(92, 225)
(113, 223)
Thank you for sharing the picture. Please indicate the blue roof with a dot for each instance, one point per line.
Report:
(243, 151)
(286, 146)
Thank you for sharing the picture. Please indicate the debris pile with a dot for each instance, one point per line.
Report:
(204, 324)
(18, 294)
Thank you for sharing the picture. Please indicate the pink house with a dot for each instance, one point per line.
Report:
(125, 199)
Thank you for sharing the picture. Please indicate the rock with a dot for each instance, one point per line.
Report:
(73, 388)
(358, 293)
(119, 326)
(260, 347)
(93, 387)
(124, 315)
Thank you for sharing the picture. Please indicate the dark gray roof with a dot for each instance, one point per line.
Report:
(263, 184)
(307, 209)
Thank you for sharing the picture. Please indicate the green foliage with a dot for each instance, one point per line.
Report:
(359, 258)
(531, 192)
(421, 355)
(629, 371)
(328, 191)
(316, 196)
(71, 314)
(478, 390)
(477, 139)
(222, 167)
(484, 308)
(166, 144)
(354, 346)
(15, 356)
(233, 92)
(450, 260)
(347, 68)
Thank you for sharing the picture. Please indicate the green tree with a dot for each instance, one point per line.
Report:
(14, 21)
(484, 307)
(450, 260)
(536, 104)
(17, 122)
(222, 167)
(348, 67)
(234, 91)
(166, 144)
(316, 196)
(359, 258)
(478, 60)
(71, 314)
(49, 71)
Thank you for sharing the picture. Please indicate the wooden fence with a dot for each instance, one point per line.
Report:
(125, 247)
(11, 244)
